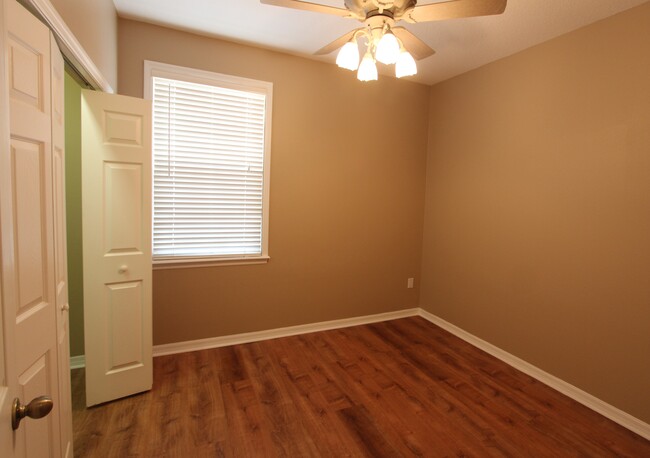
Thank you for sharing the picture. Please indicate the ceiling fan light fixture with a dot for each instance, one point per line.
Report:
(348, 56)
(405, 65)
(367, 69)
(380, 18)
(388, 48)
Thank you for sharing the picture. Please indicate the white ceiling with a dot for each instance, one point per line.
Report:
(460, 44)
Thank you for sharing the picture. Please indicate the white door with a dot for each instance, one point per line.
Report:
(60, 248)
(29, 290)
(7, 331)
(116, 220)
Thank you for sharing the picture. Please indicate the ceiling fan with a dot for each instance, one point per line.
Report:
(385, 42)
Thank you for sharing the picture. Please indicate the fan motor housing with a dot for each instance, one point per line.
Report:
(365, 8)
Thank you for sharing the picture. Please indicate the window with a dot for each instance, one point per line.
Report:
(211, 156)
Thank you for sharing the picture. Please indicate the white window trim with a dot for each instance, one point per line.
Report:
(191, 262)
(158, 69)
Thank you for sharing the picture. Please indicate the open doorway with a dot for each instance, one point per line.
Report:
(73, 87)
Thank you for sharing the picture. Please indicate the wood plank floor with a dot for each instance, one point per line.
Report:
(398, 388)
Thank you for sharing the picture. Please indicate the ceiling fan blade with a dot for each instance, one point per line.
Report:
(455, 9)
(336, 44)
(306, 6)
(418, 48)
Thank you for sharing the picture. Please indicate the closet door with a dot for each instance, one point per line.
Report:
(60, 248)
(27, 220)
(116, 208)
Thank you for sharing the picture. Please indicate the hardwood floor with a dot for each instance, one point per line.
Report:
(398, 388)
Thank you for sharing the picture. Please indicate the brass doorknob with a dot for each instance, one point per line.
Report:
(37, 408)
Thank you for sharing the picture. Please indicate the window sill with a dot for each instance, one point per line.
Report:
(186, 263)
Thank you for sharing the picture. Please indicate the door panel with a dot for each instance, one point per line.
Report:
(124, 304)
(122, 213)
(8, 381)
(29, 76)
(116, 179)
(60, 248)
(28, 170)
(27, 218)
(31, 166)
(25, 73)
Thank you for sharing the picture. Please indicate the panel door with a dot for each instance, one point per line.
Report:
(7, 326)
(26, 218)
(60, 247)
(116, 203)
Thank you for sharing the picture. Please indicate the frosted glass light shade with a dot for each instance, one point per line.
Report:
(388, 49)
(405, 65)
(367, 69)
(348, 56)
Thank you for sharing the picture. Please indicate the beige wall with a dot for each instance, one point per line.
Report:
(94, 24)
(537, 217)
(347, 192)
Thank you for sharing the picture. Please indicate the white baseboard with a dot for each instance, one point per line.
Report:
(235, 339)
(77, 362)
(607, 410)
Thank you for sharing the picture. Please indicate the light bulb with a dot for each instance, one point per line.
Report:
(348, 56)
(388, 49)
(367, 69)
(405, 65)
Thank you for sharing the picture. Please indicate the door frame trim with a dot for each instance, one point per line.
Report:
(70, 47)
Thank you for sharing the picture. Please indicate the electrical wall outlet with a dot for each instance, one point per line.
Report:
(409, 283)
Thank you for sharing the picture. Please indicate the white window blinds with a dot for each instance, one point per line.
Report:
(208, 155)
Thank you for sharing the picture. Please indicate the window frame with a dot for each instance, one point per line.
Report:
(158, 69)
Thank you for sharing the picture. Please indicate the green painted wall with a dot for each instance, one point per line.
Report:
(73, 213)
